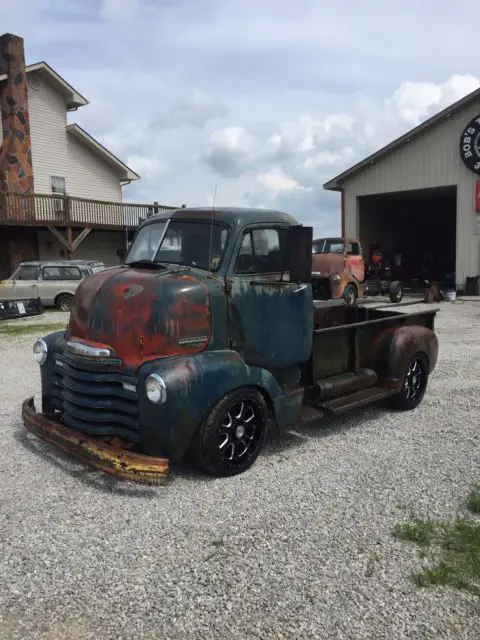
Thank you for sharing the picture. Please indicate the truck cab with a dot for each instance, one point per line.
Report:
(207, 335)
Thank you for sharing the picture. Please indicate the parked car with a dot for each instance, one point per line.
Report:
(53, 281)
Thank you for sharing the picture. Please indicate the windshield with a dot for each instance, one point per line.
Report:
(328, 246)
(186, 242)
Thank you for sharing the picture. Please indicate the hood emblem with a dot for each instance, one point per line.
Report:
(132, 291)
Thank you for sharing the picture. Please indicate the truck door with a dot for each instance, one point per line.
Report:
(271, 322)
(354, 263)
(22, 285)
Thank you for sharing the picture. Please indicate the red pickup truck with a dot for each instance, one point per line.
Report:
(338, 268)
(339, 271)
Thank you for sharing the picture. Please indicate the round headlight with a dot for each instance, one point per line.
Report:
(156, 389)
(335, 277)
(40, 351)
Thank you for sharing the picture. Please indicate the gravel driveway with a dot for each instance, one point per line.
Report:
(298, 547)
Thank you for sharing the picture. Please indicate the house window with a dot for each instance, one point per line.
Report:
(58, 185)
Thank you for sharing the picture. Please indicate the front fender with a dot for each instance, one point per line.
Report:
(394, 347)
(194, 385)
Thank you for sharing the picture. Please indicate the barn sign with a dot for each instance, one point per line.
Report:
(470, 145)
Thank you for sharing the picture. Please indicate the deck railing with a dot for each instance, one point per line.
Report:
(43, 210)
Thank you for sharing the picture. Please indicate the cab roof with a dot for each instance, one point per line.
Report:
(235, 217)
(345, 239)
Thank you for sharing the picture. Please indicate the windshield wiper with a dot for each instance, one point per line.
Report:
(146, 263)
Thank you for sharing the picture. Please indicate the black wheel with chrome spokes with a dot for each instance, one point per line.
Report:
(240, 431)
(414, 385)
(231, 437)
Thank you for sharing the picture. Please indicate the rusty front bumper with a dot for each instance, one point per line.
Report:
(113, 460)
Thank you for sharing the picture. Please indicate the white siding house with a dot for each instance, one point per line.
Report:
(67, 160)
(62, 150)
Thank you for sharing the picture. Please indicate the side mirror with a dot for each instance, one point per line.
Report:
(298, 254)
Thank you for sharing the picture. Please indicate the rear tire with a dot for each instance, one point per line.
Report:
(350, 295)
(414, 385)
(231, 437)
(64, 302)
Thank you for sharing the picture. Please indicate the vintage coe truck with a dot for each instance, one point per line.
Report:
(206, 336)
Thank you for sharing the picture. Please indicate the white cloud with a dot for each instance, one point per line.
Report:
(309, 150)
(149, 168)
(415, 101)
(119, 10)
(275, 180)
(229, 152)
(195, 108)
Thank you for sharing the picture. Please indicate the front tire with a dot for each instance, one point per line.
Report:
(415, 381)
(231, 437)
(350, 295)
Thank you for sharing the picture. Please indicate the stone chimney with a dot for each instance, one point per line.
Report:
(16, 173)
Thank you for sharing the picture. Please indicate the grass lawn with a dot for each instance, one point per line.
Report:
(31, 329)
(454, 548)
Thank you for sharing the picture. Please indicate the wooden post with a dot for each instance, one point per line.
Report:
(69, 227)
(70, 242)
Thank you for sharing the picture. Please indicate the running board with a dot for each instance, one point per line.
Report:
(354, 400)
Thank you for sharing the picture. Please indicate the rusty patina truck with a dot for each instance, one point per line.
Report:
(205, 337)
(338, 269)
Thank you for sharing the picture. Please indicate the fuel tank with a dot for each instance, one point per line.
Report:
(142, 314)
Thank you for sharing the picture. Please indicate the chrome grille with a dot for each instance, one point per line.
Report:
(93, 400)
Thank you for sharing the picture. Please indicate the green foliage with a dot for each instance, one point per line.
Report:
(455, 546)
(13, 330)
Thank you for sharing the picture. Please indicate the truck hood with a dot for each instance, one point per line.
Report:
(327, 264)
(140, 314)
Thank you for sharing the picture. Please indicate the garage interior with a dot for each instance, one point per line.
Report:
(416, 230)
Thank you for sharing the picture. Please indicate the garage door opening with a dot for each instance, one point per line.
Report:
(416, 229)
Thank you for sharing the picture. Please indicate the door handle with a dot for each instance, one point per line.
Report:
(301, 288)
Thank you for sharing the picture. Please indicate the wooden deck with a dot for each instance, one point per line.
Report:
(39, 210)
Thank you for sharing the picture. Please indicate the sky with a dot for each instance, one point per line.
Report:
(262, 101)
